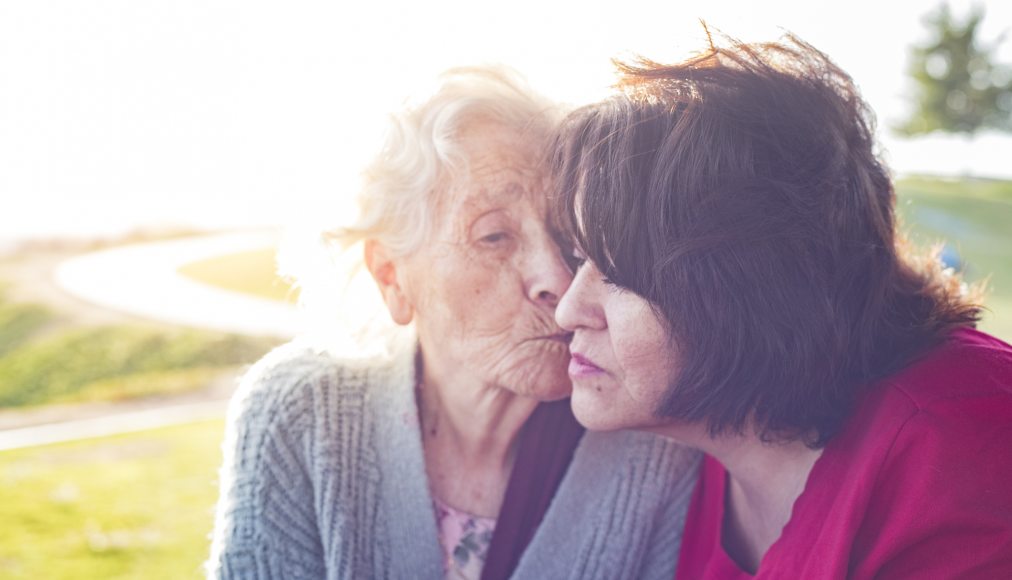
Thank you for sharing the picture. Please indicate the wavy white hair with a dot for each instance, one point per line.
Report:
(422, 151)
(421, 155)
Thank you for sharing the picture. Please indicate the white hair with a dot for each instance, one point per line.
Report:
(421, 155)
(422, 151)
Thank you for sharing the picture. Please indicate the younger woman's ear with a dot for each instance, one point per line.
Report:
(384, 270)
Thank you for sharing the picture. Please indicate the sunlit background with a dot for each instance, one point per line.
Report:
(128, 121)
(116, 113)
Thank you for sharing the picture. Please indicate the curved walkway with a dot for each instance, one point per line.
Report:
(20, 428)
(143, 280)
(115, 422)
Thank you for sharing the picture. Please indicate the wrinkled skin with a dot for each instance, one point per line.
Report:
(485, 288)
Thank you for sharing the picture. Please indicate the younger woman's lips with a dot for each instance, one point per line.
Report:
(581, 366)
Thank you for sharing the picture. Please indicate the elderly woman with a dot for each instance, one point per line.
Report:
(745, 292)
(455, 456)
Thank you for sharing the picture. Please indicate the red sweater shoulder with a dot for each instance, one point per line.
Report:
(925, 467)
(941, 502)
(917, 483)
(968, 364)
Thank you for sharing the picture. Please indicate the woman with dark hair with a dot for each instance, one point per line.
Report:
(746, 292)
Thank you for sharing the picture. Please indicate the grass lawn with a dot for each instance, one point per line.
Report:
(130, 506)
(116, 362)
(975, 218)
(250, 272)
(18, 322)
(100, 363)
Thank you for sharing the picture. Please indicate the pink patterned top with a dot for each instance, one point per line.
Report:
(465, 539)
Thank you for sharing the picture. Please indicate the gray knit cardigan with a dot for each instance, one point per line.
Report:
(324, 477)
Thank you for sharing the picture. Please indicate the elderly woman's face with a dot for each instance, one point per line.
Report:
(485, 288)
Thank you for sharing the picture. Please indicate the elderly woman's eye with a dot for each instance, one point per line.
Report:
(494, 238)
(493, 230)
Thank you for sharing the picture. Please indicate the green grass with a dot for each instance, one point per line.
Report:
(18, 322)
(975, 217)
(168, 382)
(79, 364)
(251, 272)
(131, 506)
(74, 364)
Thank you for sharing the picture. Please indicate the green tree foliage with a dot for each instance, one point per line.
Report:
(960, 88)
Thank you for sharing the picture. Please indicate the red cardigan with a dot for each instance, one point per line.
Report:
(917, 484)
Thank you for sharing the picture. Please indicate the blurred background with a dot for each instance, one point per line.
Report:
(152, 154)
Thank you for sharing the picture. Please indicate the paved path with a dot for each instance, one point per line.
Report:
(114, 423)
(20, 428)
(143, 280)
(28, 277)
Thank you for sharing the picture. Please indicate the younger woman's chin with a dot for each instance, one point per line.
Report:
(594, 416)
(597, 412)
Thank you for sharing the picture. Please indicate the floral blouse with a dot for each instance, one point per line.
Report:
(465, 539)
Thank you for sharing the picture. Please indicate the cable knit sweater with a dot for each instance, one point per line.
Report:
(324, 477)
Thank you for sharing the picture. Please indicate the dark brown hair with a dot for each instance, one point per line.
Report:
(740, 194)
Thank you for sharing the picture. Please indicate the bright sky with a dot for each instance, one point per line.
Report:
(120, 112)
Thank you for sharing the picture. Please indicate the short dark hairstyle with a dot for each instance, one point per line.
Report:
(739, 192)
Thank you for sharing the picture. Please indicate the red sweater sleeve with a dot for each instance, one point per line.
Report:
(942, 507)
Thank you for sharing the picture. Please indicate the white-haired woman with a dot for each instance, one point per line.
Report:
(456, 456)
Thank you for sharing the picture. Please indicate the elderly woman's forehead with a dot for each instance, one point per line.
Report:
(479, 129)
(505, 188)
(501, 186)
(486, 137)
(498, 170)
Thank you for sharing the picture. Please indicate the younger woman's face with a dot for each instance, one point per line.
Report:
(622, 359)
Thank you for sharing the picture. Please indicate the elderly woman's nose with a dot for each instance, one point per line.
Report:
(548, 275)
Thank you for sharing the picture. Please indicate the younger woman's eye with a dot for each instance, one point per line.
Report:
(575, 259)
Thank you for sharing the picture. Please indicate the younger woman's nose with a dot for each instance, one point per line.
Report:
(577, 308)
(548, 276)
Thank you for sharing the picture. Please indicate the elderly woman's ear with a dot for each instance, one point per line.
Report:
(384, 270)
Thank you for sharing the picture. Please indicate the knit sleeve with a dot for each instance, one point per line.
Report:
(619, 512)
(265, 525)
(661, 555)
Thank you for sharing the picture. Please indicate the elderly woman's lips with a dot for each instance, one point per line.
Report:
(581, 366)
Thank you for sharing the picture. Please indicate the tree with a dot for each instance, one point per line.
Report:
(960, 88)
